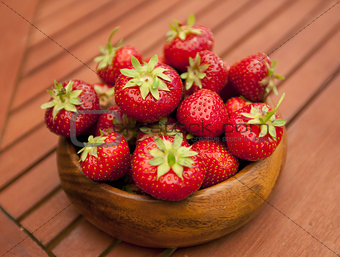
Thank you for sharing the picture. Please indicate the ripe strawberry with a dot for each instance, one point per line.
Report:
(105, 157)
(203, 114)
(254, 131)
(167, 168)
(219, 162)
(165, 127)
(69, 98)
(207, 70)
(228, 91)
(184, 41)
(113, 59)
(235, 103)
(253, 77)
(116, 121)
(105, 94)
(148, 92)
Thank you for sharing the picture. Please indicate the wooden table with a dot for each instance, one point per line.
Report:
(43, 40)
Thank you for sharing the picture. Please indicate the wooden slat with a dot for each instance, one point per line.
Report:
(127, 250)
(61, 21)
(84, 240)
(13, 48)
(14, 160)
(46, 50)
(306, 81)
(50, 218)
(269, 36)
(30, 188)
(51, 8)
(85, 52)
(15, 240)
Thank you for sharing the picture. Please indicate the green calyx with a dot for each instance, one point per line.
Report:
(173, 156)
(181, 31)
(269, 81)
(195, 72)
(148, 78)
(105, 95)
(63, 98)
(91, 147)
(162, 128)
(109, 52)
(265, 119)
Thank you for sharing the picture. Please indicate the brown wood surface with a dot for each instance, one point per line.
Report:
(302, 217)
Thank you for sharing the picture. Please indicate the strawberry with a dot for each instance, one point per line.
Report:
(219, 162)
(118, 122)
(206, 70)
(66, 100)
(166, 126)
(254, 131)
(253, 77)
(113, 59)
(106, 95)
(149, 91)
(105, 157)
(184, 41)
(228, 91)
(167, 168)
(235, 103)
(203, 114)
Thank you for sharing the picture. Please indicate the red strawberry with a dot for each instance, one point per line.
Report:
(220, 164)
(228, 91)
(166, 126)
(105, 157)
(148, 92)
(206, 70)
(167, 168)
(106, 95)
(253, 77)
(254, 131)
(113, 59)
(69, 98)
(203, 114)
(184, 41)
(117, 121)
(235, 103)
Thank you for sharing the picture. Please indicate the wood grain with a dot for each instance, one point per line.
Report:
(141, 220)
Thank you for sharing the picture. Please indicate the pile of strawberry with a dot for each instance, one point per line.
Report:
(171, 125)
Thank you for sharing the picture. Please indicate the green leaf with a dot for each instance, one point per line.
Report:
(272, 132)
(178, 169)
(279, 123)
(47, 105)
(129, 72)
(177, 141)
(162, 169)
(144, 90)
(164, 76)
(264, 130)
(135, 63)
(154, 93)
(248, 115)
(186, 162)
(156, 153)
(156, 161)
(160, 144)
(191, 20)
(152, 63)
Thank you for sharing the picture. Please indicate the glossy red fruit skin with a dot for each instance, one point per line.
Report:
(235, 103)
(169, 186)
(149, 110)
(177, 52)
(62, 122)
(246, 75)
(216, 75)
(121, 60)
(113, 162)
(219, 162)
(105, 120)
(203, 114)
(244, 142)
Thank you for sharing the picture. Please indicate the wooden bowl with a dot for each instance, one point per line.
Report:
(206, 215)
